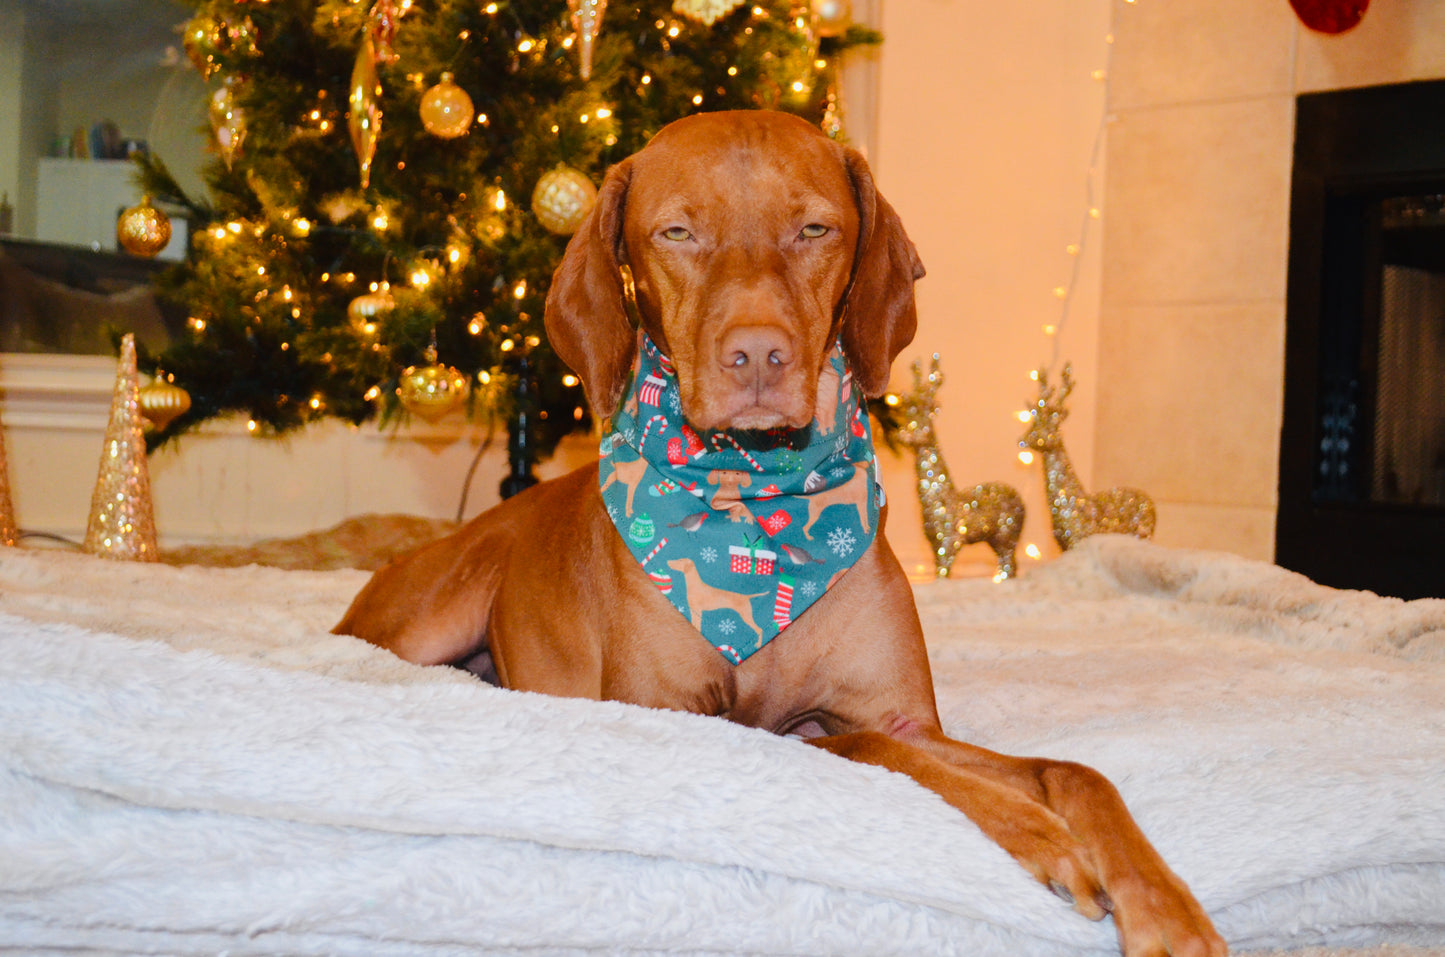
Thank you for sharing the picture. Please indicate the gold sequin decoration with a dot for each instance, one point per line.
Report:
(992, 513)
(122, 520)
(1075, 513)
(9, 534)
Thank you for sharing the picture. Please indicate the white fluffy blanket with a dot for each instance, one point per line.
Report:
(191, 764)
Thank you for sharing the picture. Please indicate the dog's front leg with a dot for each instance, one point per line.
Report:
(1066, 824)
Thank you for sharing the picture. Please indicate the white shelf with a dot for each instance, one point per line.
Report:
(78, 202)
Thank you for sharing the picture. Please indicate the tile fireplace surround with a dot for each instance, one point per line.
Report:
(1196, 242)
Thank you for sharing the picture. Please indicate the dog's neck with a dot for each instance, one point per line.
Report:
(739, 530)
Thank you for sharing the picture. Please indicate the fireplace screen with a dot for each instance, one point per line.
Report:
(1409, 426)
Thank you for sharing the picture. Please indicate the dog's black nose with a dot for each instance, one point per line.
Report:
(755, 357)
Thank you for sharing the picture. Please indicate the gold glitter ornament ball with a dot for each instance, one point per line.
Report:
(122, 521)
(366, 307)
(162, 402)
(143, 230)
(563, 198)
(432, 391)
(831, 17)
(446, 110)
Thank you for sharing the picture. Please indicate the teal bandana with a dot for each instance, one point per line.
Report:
(740, 538)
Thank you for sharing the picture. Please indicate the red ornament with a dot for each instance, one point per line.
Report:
(384, 20)
(1330, 16)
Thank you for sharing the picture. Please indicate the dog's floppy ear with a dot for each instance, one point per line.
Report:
(879, 315)
(586, 321)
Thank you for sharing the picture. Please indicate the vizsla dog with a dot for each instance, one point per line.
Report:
(747, 246)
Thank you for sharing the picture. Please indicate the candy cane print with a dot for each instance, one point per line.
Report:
(741, 451)
(653, 554)
(659, 417)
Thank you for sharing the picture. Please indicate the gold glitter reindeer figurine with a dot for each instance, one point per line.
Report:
(1075, 513)
(952, 517)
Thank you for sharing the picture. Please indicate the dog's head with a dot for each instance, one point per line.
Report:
(754, 242)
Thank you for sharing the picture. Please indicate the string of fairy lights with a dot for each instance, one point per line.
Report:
(1066, 292)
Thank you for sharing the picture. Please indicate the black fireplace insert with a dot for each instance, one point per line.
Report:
(1362, 450)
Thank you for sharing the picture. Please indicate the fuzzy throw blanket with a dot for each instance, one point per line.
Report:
(190, 764)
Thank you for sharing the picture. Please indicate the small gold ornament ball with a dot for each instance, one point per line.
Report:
(563, 198)
(143, 230)
(432, 390)
(162, 402)
(446, 110)
(367, 306)
(706, 12)
(832, 17)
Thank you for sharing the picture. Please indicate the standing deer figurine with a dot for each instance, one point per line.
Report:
(1075, 513)
(952, 517)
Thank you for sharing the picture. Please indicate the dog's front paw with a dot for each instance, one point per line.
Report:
(1161, 918)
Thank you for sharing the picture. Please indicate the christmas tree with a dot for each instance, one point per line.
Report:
(395, 181)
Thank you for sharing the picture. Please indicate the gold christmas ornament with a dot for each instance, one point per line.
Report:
(228, 121)
(706, 12)
(831, 17)
(992, 513)
(122, 519)
(9, 533)
(384, 20)
(241, 37)
(1076, 514)
(340, 207)
(587, 21)
(202, 37)
(367, 306)
(143, 230)
(363, 118)
(433, 390)
(562, 199)
(446, 110)
(162, 402)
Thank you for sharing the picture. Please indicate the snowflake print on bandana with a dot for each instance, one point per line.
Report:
(740, 535)
(841, 541)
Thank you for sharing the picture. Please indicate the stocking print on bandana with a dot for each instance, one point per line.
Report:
(740, 539)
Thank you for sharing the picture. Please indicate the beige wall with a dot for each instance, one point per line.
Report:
(987, 117)
(1191, 327)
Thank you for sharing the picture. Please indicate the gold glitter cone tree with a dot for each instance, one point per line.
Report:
(122, 520)
(9, 534)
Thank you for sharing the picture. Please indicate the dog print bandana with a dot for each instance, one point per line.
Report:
(740, 535)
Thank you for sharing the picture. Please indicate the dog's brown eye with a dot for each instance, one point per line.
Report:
(814, 231)
(677, 234)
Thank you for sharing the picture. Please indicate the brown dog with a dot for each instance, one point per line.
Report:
(755, 243)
